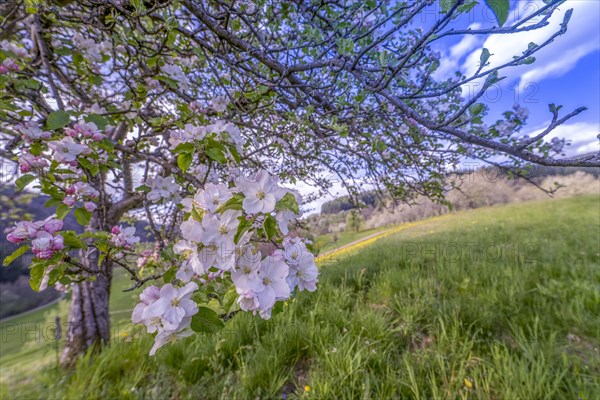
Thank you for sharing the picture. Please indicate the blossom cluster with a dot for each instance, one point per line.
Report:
(167, 310)
(86, 130)
(28, 161)
(31, 131)
(44, 239)
(91, 50)
(222, 238)
(44, 148)
(163, 188)
(223, 130)
(123, 237)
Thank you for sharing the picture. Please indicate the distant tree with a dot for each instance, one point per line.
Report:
(353, 221)
(344, 203)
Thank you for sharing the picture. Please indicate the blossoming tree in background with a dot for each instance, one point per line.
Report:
(199, 116)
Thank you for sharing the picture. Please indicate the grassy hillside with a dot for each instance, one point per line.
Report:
(330, 241)
(496, 303)
(27, 342)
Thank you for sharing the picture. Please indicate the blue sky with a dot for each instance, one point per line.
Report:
(566, 72)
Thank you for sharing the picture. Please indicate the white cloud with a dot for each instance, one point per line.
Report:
(582, 38)
(582, 136)
(305, 189)
(451, 59)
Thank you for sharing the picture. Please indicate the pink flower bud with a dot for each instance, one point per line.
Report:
(146, 253)
(44, 254)
(21, 231)
(11, 65)
(69, 201)
(89, 206)
(58, 243)
(97, 136)
(14, 239)
(24, 167)
(3, 70)
(71, 190)
(53, 225)
(42, 245)
(116, 230)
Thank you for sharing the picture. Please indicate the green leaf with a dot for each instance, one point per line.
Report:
(446, 4)
(87, 164)
(62, 210)
(484, 57)
(217, 154)
(270, 226)
(197, 213)
(288, 202)
(234, 203)
(184, 161)
(242, 228)
(99, 120)
(184, 148)
(106, 144)
(53, 203)
(82, 216)
(170, 275)
(493, 78)
(207, 321)
(500, 9)
(35, 149)
(235, 154)
(143, 188)
(36, 274)
(73, 241)
(24, 180)
(15, 254)
(168, 254)
(528, 60)
(57, 119)
(476, 109)
(229, 300)
(345, 46)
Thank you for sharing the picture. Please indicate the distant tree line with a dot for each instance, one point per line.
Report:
(370, 198)
(345, 203)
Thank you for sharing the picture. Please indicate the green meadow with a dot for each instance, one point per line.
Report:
(494, 303)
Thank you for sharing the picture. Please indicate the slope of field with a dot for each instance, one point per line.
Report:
(495, 303)
(28, 342)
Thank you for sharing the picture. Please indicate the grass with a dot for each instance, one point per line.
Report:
(27, 343)
(332, 241)
(496, 303)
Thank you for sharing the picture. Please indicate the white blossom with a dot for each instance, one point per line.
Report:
(66, 150)
(261, 193)
(173, 305)
(175, 72)
(163, 188)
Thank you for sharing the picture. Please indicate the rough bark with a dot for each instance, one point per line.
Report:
(88, 324)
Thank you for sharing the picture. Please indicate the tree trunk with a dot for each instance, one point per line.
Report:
(89, 320)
